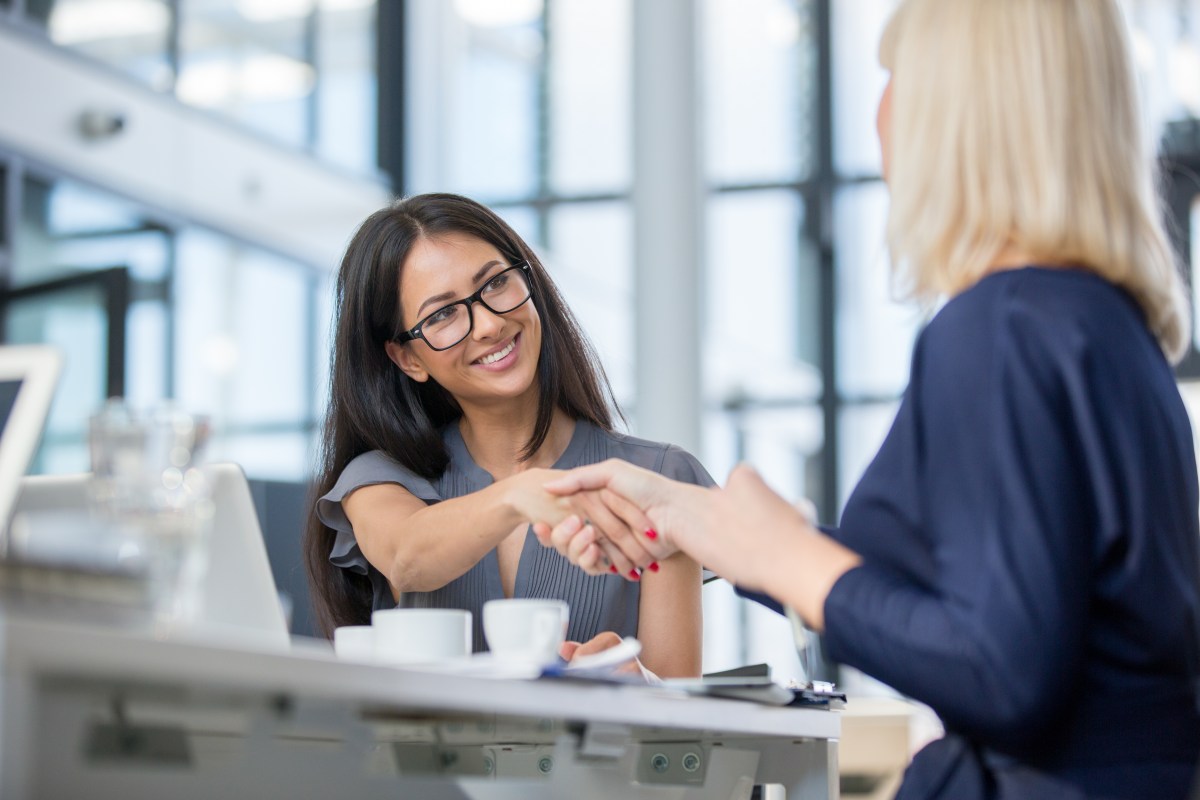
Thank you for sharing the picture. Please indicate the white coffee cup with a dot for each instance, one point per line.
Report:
(421, 635)
(526, 629)
(355, 642)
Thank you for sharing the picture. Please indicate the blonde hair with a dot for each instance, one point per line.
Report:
(1015, 128)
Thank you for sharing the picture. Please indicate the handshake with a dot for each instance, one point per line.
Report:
(617, 518)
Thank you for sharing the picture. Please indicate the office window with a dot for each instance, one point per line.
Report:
(243, 360)
(863, 427)
(73, 320)
(495, 114)
(345, 91)
(87, 265)
(597, 281)
(762, 286)
(188, 305)
(131, 36)
(589, 75)
(764, 134)
(758, 302)
(301, 72)
(248, 61)
(875, 329)
(858, 80)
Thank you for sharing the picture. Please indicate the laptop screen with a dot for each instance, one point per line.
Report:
(28, 375)
(9, 389)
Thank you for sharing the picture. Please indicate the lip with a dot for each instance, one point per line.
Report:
(503, 363)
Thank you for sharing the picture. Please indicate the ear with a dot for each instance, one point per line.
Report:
(408, 362)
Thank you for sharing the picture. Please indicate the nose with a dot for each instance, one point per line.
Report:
(487, 324)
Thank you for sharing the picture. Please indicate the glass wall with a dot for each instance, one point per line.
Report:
(300, 72)
(187, 305)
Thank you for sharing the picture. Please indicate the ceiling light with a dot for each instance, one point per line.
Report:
(258, 79)
(498, 13)
(94, 20)
(274, 10)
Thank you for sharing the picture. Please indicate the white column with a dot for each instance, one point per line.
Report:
(668, 229)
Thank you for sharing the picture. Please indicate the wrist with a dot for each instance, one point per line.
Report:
(805, 572)
(512, 498)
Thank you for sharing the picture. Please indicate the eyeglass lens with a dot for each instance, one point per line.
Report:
(449, 325)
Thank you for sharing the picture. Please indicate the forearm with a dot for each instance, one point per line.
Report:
(423, 550)
(803, 571)
(670, 621)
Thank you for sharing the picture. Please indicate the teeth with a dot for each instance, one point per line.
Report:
(499, 354)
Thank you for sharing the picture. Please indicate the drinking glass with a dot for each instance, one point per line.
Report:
(147, 489)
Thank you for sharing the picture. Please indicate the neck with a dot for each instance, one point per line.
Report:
(496, 438)
(1013, 257)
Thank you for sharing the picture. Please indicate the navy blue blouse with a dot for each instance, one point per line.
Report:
(1030, 537)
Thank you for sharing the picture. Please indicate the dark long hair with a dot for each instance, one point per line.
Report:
(373, 405)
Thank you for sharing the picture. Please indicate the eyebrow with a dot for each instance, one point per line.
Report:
(444, 296)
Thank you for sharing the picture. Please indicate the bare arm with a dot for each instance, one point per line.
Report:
(670, 618)
(745, 532)
(423, 547)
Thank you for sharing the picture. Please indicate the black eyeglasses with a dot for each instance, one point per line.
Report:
(506, 291)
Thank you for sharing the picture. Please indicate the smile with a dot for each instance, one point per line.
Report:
(492, 358)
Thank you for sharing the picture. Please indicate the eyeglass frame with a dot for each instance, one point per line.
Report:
(415, 332)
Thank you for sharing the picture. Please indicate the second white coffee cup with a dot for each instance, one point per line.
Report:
(526, 629)
(421, 635)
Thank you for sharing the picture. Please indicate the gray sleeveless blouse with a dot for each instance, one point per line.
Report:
(597, 603)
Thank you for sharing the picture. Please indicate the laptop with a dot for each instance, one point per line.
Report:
(28, 375)
(239, 602)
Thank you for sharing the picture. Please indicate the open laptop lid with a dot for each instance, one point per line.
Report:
(28, 375)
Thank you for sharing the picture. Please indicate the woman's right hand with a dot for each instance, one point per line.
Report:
(648, 506)
(526, 496)
(604, 519)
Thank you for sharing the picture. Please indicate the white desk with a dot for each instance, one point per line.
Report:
(100, 713)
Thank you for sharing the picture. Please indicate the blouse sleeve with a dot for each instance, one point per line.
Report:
(680, 465)
(987, 626)
(367, 469)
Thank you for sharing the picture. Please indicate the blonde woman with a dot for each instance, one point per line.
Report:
(1022, 553)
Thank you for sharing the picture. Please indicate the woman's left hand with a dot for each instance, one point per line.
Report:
(598, 644)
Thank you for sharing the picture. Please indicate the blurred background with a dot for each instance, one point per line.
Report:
(178, 178)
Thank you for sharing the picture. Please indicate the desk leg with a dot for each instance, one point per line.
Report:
(17, 724)
(807, 769)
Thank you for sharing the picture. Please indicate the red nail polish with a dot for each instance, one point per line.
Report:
(634, 574)
(654, 566)
(651, 533)
(612, 568)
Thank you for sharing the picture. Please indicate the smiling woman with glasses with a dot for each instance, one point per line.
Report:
(453, 322)
(460, 381)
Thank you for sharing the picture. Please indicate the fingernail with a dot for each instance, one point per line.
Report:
(651, 533)
(634, 575)
(612, 568)
(654, 566)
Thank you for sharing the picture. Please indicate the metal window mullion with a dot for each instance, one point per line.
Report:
(390, 91)
(823, 211)
(544, 204)
(174, 43)
(312, 108)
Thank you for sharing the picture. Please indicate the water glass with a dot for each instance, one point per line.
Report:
(148, 490)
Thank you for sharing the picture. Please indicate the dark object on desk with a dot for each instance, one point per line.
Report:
(817, 697)
(282, 508)
(748, 671)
